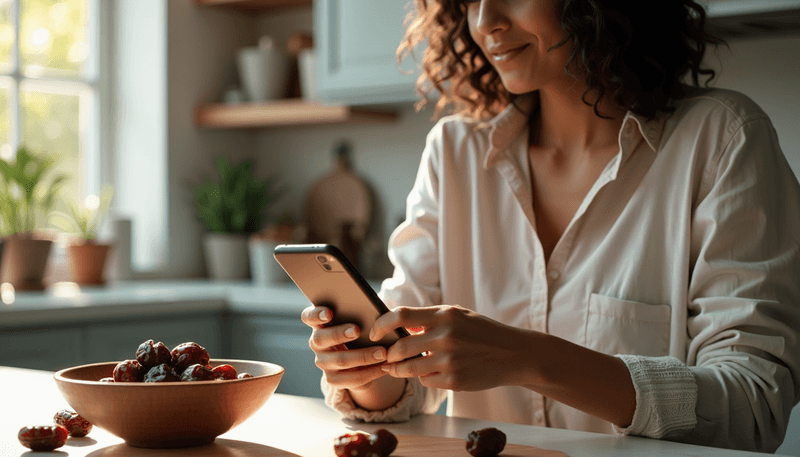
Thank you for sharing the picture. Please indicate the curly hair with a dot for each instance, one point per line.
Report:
(636, 54)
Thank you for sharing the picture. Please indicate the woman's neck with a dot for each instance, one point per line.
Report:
(566, 123)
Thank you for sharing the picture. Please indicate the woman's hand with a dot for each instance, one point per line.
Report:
(463, 349)
(358, 370)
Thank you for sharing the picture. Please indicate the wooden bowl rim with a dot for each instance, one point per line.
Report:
(59, 376)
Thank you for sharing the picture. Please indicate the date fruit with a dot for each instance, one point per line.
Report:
(384, 441)
(43, 438)
(186, 354)
(150, 354)
(353, 445)
(224, 372)
(186, 362)
(161, 373)
(128, 371)
(360, 444)
(197, 372)
(75, 424)
(486, 442)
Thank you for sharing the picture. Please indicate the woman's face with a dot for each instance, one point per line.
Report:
(515, 36)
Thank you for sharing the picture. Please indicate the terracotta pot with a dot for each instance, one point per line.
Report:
(87, 262)
(24, 262)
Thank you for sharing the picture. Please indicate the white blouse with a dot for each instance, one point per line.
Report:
(683, 260)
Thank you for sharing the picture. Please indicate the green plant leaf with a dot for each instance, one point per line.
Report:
(236, 202)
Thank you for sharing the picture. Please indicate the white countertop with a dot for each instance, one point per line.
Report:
(65, 302)
(303, 427)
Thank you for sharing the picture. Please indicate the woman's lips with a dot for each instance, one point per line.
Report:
(507, 54)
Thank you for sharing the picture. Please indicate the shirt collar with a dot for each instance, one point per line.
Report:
(510, 123)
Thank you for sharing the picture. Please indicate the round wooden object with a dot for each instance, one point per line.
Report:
(337, 201)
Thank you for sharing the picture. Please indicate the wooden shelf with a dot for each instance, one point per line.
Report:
(255, 5)
(287, 112)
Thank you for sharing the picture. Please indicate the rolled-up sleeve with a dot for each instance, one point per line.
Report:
(743, 319)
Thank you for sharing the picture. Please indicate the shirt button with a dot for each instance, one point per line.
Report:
(553, 274)
(538, 418)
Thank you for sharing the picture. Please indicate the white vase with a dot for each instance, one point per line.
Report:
(227, 256)
(265, 269)
(262, 70)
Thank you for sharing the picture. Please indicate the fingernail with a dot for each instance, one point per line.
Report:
(323, 315)
(379, 355)
(385, 367)
(372, 334)
(350, 332)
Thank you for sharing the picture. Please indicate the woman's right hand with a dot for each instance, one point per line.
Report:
(352, 369)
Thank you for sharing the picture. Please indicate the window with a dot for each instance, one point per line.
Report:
(51, 88)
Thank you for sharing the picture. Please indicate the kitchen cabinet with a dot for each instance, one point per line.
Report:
(290, 112)
(280, 340)
(119, 340)
(102, 341)
(41, 349)
(356, 43)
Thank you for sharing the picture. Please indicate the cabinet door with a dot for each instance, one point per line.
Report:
(41, 349)
(356, 42)
(107, 342)
(279, 340)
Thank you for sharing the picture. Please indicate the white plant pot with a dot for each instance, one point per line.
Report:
(227, 256)
(262, 73)
(266, 270)
(307, 69)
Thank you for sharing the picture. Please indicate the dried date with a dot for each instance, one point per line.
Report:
(43, 438)
(354, 445)
(161, 373)
(486, 442)
(150, 354)
(224, 372)
(186, 354)
(128, 371)
(360, 444)
(197, 372)
(384, 441)
(75, 424)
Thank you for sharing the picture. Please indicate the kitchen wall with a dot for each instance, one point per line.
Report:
(387, 155)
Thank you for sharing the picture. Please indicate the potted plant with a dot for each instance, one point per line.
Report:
(87, 257)
(25, 197)
(232, 206)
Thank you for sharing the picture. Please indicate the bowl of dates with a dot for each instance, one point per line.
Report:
(159, 401)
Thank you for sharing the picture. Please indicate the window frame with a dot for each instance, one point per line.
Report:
(97, 142)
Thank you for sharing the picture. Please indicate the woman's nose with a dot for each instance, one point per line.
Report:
(492, 17)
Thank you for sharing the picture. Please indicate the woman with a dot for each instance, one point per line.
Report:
(590, 243)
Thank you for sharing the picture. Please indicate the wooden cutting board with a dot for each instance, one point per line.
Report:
(427, 446)
(338, 209)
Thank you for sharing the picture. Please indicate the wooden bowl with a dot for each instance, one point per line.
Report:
(169, 414)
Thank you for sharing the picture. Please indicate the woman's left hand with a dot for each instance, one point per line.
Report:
(463, 350)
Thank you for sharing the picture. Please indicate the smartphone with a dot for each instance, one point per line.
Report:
(325, 276)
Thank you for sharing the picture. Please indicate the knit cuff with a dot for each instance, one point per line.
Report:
(666, 396)
(409, 404)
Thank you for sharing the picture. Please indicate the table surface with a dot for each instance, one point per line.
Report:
(300, 425)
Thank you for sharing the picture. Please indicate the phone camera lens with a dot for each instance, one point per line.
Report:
(321, 259)
(326, 266)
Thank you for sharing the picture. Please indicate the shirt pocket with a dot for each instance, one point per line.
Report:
(616, 326)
